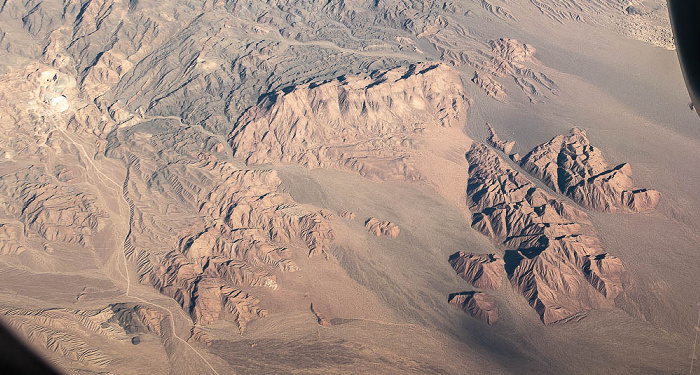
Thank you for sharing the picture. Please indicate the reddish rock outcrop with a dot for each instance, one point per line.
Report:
(477, 304)
(254, 224)
(482, 270)
(553, 257)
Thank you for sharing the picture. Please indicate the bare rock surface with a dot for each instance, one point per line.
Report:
(484, 271)
(365, 124)
(382, 228)
(574, 167)
(321, 319)
(492, 87)
(478, 305)
(553, 257)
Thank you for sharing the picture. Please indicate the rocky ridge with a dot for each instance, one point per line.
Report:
(553, 257)
(572, 166)
(484, 271)
(478, 305)
(370, 125)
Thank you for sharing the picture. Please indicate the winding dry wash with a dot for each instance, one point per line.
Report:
(341, 187)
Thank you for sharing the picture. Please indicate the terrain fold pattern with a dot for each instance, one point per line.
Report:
(239, 234)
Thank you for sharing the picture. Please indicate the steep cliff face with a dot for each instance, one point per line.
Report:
(370, 125)
(553, 257)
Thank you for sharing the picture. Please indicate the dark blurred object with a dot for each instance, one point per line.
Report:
(17, 358)
(685, 19)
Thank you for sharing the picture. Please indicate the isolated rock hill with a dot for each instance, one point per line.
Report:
(484, 271)
(382, 228)
(369, 125)
(477, 304)
(572, 166)
(512, 60)
(553, 257)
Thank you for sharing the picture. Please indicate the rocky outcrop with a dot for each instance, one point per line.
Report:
(553, 257)
(514, 61)
(572, 166)
(382, 228)
(484, 271)
(206, 290)
(365, 124)
(254, 226)
(493, 139)
(478, 305)
(250, 199)
(321, 319)
(492, 87)
(348, 215)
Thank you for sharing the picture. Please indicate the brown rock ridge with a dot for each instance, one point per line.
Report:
(250, 199)
(254, 224)
(369, 125)
(493, 139)
(478, 305)
(511, 58)
(382, 228)
(492, 87)
(572, 166)
(484, 271)
(553, 257)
